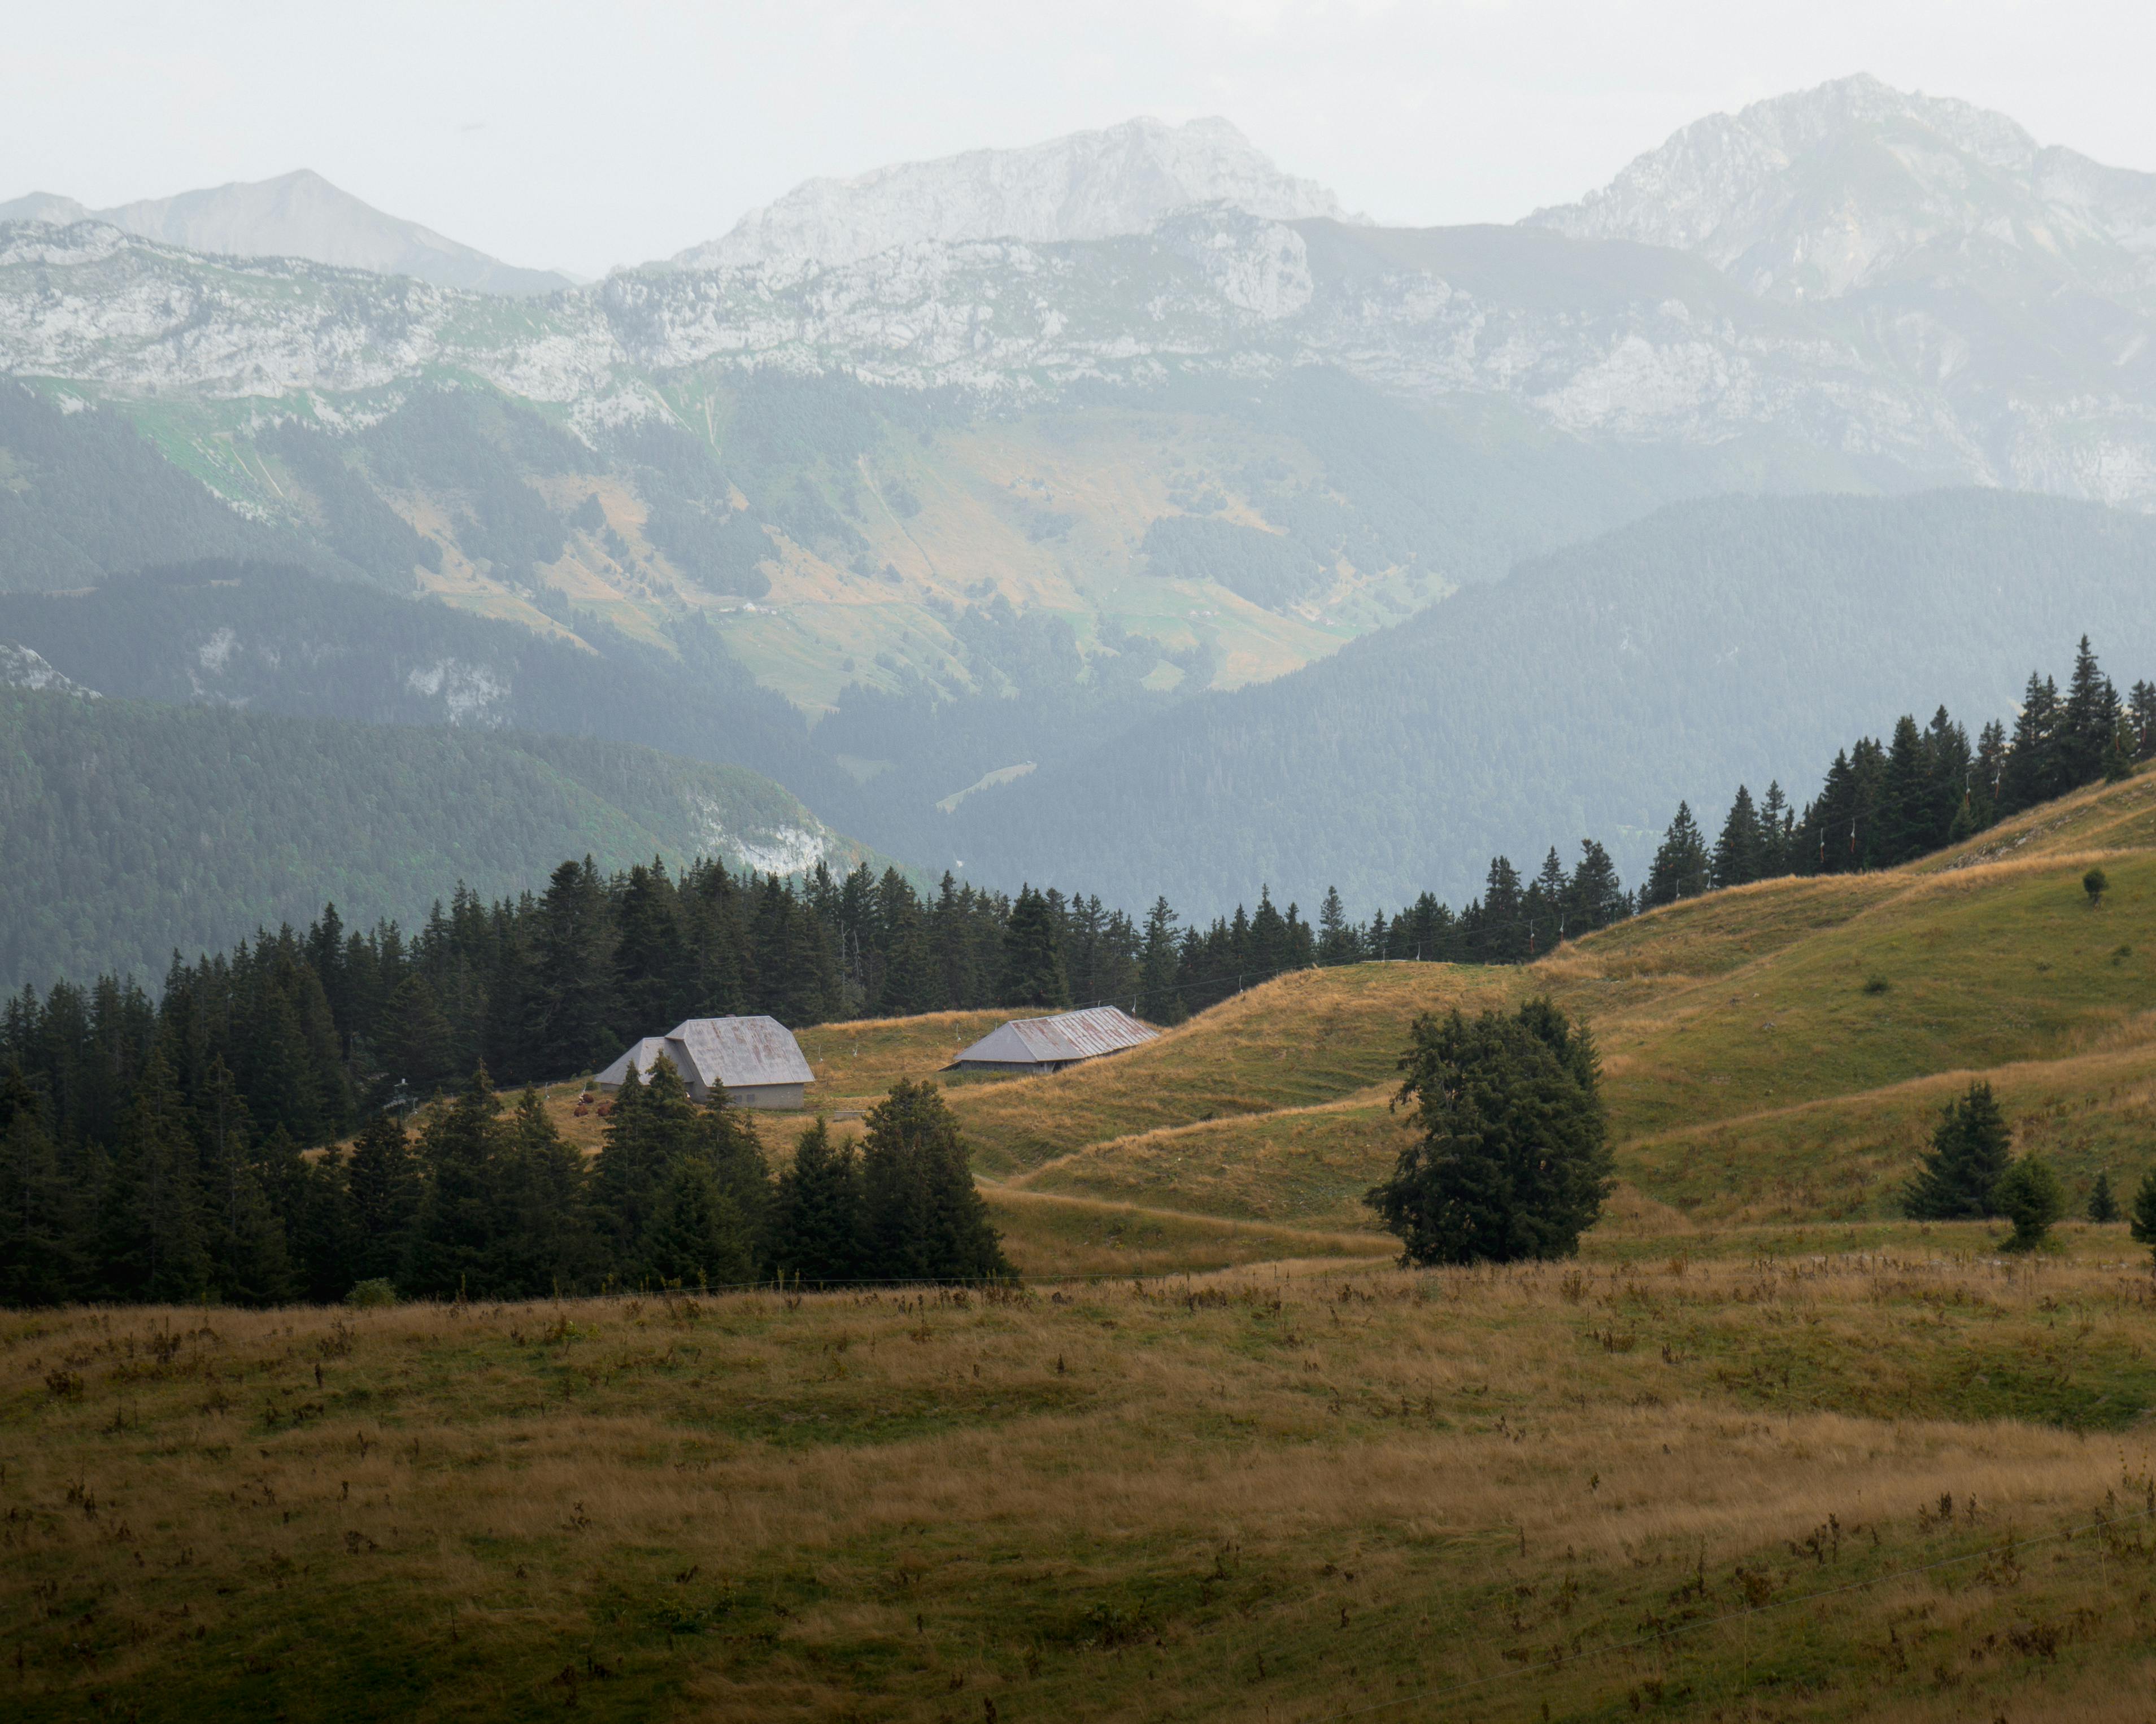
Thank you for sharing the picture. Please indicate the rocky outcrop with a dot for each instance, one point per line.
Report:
(1091, 185)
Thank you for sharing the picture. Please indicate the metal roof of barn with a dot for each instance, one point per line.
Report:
(1061, 1039)
(742, 1053)
(727, 1053)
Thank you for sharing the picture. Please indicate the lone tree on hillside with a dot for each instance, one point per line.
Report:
(1969, 1153)
(2103, 1202)
(1513, 1160)
(2096, 883)
(2029, 1195)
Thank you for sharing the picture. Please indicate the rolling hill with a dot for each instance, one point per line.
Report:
(1775, 1054)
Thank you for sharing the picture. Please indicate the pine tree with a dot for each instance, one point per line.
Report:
(542, 1240)
(42, 1213)
(925, 1217)
(817, 1216)
(1905, 829)
(1335, 940)
(1599, 897)
(153, 1248)
(572, 995)
(2033, 769)
(416, 1038)
(1970, 1151)
(1777, 833)
(2103, 1203)
(1033, 958)
(1512, 1161)
(2141, 720)
(453, 1237)
(695, 1236)
(1737, 858)
(383, 1187)
(1681, 868)
(2144, 1219)
(1160, 1001)
(2087, 721)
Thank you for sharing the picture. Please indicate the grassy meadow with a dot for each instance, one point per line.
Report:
(1764, 1451)
(1910, 1482)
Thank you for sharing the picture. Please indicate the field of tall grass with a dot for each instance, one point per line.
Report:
(1686, 1476)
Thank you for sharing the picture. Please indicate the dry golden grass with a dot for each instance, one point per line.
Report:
(1816, 1487)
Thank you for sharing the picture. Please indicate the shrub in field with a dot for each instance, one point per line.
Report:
(2029, 1195)
(1513, 1159)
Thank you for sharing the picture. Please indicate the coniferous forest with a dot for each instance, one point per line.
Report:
(155, 1148)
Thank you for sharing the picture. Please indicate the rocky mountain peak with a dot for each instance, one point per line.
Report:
(1089, 185)
(1854, 184)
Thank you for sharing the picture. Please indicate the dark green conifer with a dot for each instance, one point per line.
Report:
(1970, 1151)
(925, 1217)
(817, 1215)
(382, 1183)
(1681, 869)
(1032, 956)
(2103, 1202)
(453, 1237)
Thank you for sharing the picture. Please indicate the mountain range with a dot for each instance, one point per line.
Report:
(296, 215)
(1023, 483)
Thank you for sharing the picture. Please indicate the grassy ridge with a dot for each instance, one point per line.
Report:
(1780, 1051)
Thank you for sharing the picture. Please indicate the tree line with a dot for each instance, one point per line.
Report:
(292, 1041)
(487, 1200)
(1926, 786)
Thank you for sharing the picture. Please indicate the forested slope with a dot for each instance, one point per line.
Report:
(128, 829)
(1736, 640)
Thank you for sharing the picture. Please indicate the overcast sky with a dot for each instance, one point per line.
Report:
(582, 137)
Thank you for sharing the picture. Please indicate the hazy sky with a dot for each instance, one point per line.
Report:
(581, 136)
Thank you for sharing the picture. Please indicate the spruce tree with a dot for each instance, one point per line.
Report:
(1032, 956)
(925, 1217)
(2141, 720)
(1737, 858)
(42, 1261)
(2087, 721)
(572, 996)
(817, 1217)
(382, 1183)
(154, 1248)
(453, 1237)
(1970, 1151)
(1335, 940)
(1906, 827)
(1598, 896)
(1512, 1161)
(2144, 1219)
(1681, 869)
(695, 1236)
(1158, 966)
(2103, 1202)
(1777, 833)
(542, 1239)
(2034, 770)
